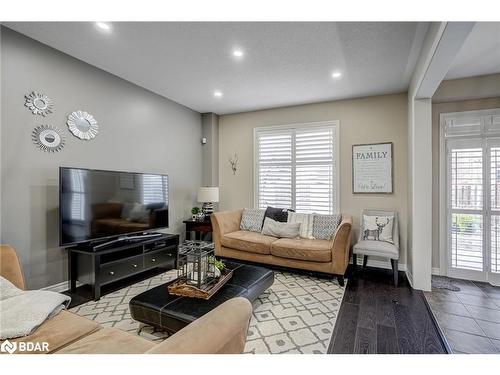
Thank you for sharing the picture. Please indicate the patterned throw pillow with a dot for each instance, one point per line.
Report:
(306, 223)
(378, 228)
(252, 219)
(325, 226)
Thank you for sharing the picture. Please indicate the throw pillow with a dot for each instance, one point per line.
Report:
(252, 219)
(277, 214)
(325, 226)
(126, 210)
(378, 228)
(139, 214)
(306, 223)
(281, 230)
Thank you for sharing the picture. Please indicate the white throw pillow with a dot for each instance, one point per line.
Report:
(306, 223)
(378, 228)
(281, 230)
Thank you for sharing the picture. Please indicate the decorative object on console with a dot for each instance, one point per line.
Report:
(372, 168)
(233, 161)
(48, 138)
(208, 196)
(195, 211)
(252, 219)
(38, 103)
(83, 125)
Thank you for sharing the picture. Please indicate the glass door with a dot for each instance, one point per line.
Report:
(492, 258)
(467, 215)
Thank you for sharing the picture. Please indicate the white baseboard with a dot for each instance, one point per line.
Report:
(385, 264)
(59, 288)
(409, 276)
(436, 271)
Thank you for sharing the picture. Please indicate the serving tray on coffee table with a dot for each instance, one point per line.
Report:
(180, 288)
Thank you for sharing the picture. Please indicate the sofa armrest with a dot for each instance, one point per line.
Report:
(221, 331)
(224, 222)
(342, 245)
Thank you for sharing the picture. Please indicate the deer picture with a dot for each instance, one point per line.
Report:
(375, 233)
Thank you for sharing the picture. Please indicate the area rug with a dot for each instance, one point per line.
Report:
(295, 315)
(442, 282)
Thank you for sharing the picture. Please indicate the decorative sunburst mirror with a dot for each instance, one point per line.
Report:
(38, 103)
(48, 138)
(83, 125)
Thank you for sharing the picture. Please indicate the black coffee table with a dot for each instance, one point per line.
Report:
(156, 307)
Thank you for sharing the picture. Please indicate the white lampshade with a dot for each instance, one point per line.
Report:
(208, 194)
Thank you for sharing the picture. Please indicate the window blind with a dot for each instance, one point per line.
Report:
(296, 168)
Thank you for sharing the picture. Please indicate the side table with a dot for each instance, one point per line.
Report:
(202, 229)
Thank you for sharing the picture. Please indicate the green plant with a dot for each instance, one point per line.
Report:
(195, 210)
(217, 263)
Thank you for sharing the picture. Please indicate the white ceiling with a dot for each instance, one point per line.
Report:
(480, 53)
(284, 63)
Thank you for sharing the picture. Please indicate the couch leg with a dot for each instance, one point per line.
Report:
(340, 279)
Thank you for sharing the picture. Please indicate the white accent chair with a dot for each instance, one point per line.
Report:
(382, 249)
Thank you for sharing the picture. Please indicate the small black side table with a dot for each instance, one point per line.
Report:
(202, 229)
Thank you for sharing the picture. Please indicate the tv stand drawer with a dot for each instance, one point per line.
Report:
(117, 270)
(158, 258)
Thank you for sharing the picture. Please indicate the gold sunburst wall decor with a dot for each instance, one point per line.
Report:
(38, 103)
(48, 138)
(83, 125)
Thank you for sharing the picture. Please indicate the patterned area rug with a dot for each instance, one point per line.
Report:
(296, 315)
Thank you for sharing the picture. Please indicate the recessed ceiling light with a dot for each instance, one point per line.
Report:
(238, 53)
(218, 94)
(103, 26)
(336, 75)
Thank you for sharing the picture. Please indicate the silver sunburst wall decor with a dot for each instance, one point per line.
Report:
(38, 103)
(83, 125)
(48, 138)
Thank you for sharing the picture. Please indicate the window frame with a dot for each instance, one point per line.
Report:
(335, 124)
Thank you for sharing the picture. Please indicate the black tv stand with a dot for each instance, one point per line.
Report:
(134, 237)
(101, 264)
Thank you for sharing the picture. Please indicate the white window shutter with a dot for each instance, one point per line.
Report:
(296, 168)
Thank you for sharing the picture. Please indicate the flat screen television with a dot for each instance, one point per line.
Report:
(98, 205)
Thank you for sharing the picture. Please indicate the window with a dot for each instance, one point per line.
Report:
(296, 167)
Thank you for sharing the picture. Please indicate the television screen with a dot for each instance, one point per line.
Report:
(96, 204)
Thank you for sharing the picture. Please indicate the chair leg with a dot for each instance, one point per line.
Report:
(354, 261)
(365, 259)
(394, 263)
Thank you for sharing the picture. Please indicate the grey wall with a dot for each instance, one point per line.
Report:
(139, 131)
(210, 130)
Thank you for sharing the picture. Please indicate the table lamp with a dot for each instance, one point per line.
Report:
(207, 196)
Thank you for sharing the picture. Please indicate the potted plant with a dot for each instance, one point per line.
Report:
(195, 211)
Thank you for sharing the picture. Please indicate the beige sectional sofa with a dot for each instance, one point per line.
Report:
(222, 330)
(325, 256)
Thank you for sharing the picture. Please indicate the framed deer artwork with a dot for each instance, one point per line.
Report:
(372, 168)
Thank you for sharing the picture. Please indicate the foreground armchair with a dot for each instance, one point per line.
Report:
(223, 330)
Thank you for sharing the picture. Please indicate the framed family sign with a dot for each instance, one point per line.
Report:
(372, 168)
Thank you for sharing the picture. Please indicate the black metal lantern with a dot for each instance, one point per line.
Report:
(196, 267)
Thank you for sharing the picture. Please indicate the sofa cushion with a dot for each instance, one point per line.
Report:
(303, 249)
(376, 248)
(60, 330)
(248, 241)
(109, 341)
(252, 219)
(277, 214)
(281, 230)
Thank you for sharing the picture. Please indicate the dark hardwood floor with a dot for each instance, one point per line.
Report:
(378, 318)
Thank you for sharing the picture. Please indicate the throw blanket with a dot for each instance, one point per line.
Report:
(21, 312)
